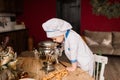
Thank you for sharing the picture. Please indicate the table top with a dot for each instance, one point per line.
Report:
(33, 67)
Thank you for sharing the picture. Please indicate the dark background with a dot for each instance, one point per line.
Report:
(78, 13)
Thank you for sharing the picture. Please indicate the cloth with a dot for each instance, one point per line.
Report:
(55, 27)
(77, 50)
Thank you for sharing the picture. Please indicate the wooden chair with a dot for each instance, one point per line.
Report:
(99, 66)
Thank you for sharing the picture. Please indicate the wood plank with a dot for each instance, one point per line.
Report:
(34, 66)
(112, 70)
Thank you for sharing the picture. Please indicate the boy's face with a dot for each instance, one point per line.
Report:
(58, 39)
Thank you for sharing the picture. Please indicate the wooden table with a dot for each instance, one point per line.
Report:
(33, 67)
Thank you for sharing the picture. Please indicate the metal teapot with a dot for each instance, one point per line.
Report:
(47, 48)
(49, 53)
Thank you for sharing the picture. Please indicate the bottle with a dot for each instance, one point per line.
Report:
(30, 44)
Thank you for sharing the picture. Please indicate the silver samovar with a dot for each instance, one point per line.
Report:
(48, 53)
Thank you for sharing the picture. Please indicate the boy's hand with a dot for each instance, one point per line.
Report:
(70, 69)
(73, 67)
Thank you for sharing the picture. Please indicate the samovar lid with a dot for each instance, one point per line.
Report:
(47, 44)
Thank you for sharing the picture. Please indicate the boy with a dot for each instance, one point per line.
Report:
(75, 48)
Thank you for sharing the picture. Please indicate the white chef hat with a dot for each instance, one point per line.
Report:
(56, 27)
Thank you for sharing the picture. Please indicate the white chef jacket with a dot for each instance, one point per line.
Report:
(77, 51)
